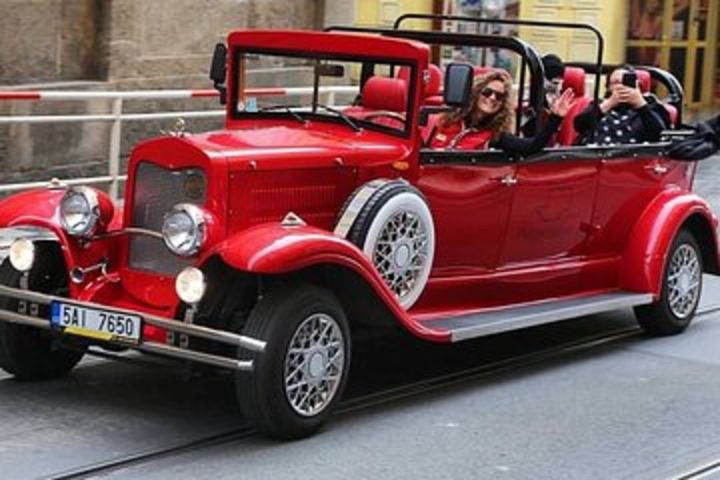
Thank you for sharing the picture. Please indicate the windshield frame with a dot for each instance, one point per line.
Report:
(410, 117)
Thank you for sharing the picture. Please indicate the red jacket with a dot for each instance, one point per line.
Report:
(448, 136)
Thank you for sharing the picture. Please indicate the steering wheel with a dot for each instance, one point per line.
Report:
(385, 113)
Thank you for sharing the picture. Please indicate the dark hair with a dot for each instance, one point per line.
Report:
(500, 122)
(553, 65)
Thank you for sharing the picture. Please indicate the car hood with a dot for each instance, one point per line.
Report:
(283, 146)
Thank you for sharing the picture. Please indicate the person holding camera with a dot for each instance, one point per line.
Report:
(625, 116)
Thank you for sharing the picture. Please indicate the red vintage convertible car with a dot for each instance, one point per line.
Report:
(265, 246)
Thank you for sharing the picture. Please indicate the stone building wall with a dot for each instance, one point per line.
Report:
(114, 45)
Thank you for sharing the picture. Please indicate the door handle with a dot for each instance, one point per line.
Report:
(657, 169)
(509, 180)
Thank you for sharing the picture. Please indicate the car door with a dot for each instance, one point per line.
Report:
(470, 199)
(629, 180)
(552, 208)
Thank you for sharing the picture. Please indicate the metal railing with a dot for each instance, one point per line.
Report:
(117, 116)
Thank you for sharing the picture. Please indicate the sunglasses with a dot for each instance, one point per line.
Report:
(488, 92)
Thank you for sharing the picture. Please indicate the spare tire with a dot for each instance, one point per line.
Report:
(393, 226)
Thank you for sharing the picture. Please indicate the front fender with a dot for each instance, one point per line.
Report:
(274, 249)
(650, 239)
(38, 209)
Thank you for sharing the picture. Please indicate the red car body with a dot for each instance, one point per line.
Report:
(507, 234)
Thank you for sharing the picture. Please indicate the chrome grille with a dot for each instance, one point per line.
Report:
(157, 190)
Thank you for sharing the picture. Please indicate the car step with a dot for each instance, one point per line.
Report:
(473, 325)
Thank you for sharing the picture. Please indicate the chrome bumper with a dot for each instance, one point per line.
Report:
(170, 325)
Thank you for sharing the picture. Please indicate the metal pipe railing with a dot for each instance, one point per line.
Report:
(117, 116)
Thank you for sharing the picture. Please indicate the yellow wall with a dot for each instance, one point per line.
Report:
(374, 13)
(609, 16)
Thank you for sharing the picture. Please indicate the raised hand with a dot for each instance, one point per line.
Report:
(562, 104)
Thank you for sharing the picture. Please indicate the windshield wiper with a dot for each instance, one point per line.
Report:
(286, 108)
(341, 114)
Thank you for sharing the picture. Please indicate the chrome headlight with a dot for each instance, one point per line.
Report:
(190, 285)
(22, 254)
(79, 211)
(184, 229)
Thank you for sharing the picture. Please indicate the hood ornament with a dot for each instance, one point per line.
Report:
(56, 184)
(178, 130)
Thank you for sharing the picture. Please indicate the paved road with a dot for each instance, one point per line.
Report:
(644, 409)
(641, 409)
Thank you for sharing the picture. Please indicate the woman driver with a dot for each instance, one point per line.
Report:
(488, 120)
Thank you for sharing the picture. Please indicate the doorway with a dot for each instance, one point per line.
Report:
(679, 36)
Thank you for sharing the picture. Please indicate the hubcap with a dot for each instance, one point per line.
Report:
(314, 364)
(683, 279)
(401, 252)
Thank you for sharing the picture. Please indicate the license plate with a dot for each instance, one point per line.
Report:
(96, 323)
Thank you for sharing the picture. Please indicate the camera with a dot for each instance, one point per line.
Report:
(629, 79)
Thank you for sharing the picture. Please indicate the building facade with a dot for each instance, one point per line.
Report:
(681, 36)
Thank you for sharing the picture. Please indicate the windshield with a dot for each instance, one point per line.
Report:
(359, 93)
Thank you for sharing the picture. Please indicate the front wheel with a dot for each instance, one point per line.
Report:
(299, 378)
(29, 353)
(681, 289)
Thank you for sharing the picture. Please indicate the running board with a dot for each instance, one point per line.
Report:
(465, 327)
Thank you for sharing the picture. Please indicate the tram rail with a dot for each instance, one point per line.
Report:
(373, 399)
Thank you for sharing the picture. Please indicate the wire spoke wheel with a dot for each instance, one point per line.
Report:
(401, 252)
(395, 230)
(683, 281)
(314, 364)
(675, 308)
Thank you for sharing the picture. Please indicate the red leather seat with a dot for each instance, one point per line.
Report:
(574, 79)
(644, 81)
(381, 94)
(433, 87)
(384, 93)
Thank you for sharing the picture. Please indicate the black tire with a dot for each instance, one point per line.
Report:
(262, 393)
(363, 233)
(29, 353)
(359, 230)
(659, 318)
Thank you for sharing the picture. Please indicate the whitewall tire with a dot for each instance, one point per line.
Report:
(394, 228)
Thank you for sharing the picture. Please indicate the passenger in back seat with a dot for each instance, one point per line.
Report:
(489, 118)
(625, 116)
(553, 82)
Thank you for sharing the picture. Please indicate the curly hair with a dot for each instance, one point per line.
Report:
(500, 122)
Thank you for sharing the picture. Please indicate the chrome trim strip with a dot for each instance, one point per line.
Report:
(221, 336)
(8, 234)
(150, 347)
(128, 231)
(465, 327)
(21, 319)
(200, 357)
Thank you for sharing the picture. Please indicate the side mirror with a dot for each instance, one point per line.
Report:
(458, 84)
(218, 71)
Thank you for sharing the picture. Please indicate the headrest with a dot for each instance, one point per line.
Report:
(644, 81)
(383, 93)
(435, 79)
(673, 113)
(434, 84)
(574, 79)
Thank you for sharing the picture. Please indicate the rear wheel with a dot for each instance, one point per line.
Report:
(29, 353)
(299, 378)
(681, 289)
